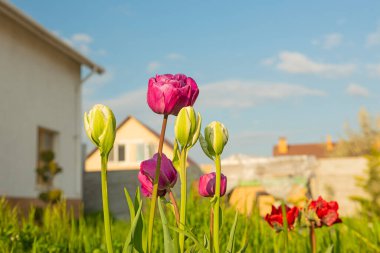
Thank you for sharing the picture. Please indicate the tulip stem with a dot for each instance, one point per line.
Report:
(313, 241)
(217, 203)
(155, 184)
(174, 203)
(183, 177)
(285, 224)
(106, 212)
(211, 227)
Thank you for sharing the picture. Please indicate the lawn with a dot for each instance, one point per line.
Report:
(55, 230)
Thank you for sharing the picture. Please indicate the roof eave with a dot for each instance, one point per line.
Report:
(28, 23)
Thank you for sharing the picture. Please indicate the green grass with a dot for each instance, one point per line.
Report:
(58, 231)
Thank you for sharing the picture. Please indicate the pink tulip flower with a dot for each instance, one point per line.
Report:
(207, 185)
(167, 178)
(168, 94)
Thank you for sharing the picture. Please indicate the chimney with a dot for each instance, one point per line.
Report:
(329, 144)
(282, 145)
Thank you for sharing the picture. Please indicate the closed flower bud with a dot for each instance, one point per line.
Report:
(100, 125)
(207, 182)
(187, 127)
(216, 137)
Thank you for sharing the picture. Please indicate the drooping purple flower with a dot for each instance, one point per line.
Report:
(207, 185)
(168, 94)
(167, 178)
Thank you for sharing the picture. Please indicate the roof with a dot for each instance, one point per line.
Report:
(170, 144)
(318, 150)
(38, 30)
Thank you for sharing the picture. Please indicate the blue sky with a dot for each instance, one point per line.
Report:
(265, 69)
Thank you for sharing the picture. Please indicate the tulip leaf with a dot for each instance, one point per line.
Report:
(168, 241)
(176, 156)
(197, 131)
(191, 236)
(204, 146)
(130, 245)
(231, 241)
(330, 249)
(132, 211)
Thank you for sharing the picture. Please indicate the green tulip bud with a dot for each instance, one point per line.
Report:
(216, 137)
(100, 126)
(187, 127)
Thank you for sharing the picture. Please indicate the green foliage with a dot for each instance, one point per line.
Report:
(362, 141)
(370, 206)
(59, 231)
(46, 172)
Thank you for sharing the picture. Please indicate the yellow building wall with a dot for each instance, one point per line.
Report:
(131, 132)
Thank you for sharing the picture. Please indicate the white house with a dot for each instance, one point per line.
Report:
(40, 105)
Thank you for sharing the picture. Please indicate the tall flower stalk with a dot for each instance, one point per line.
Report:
(216, 137)
(167, 94)
(155, 183)
(100, 126)
(187, 128)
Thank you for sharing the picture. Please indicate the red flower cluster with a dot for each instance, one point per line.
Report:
(327, 212)
(275, 220)
(320, 212)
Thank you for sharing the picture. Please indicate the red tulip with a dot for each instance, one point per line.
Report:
(168, 94)
(167, 178)
(206, 186)
(275, 220)
(327, 212)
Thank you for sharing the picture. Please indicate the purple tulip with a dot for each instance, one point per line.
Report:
(207, 185)
(168, 94)
(167, 179)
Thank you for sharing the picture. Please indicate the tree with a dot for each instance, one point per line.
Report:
(370, 183)
(361, 142)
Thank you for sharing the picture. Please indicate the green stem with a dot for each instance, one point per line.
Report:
(217, 204)
(285, 224)
(174, 203)
(211, 227)
(182, 174)
(313, 241)
(155, 184)
(106, 212)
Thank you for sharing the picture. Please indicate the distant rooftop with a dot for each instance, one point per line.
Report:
(319, 150)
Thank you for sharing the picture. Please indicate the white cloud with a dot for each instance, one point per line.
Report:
(81, 38)
(357, 90)
(268, 61)
(175, 56)
(96, 81)
(82, 42)
(153, 66)
(374, 69)
(297, 63)
(332, 40)
(248, 93)
(329, 41)
(373, 39)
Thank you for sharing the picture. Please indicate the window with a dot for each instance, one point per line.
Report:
(151, 150)
(121, 152)
(111, 155)
(47, 141)
(140, 152)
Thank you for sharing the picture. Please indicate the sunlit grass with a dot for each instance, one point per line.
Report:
(57, 231)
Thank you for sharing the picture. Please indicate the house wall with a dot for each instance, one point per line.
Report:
(335, 180)
(39, 87)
